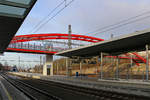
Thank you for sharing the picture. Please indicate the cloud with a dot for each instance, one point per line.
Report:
(84, 15)
(88, 15)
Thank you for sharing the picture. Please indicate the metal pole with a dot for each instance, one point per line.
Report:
(19, 61)
(40, 46)
(67, 72)
(80, 67)
(147, 63)
(70, 67)
(111, 60)
(111, 36)
(117, 69)
(69, 36)
(57, 67)
(34, 46)
(15, 45)
(101, 66)
(96, 66)
(28, 45)
(131, 67)
(40, 63)
(143, 75)
(21, 45)
(127, 72)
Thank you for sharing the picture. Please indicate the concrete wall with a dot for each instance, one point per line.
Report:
(48, 64)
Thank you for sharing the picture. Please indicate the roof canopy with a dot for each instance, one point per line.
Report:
(15, 8)
(131, 42)
(12, 14)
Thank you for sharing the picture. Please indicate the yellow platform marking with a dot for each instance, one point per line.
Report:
(7, 93)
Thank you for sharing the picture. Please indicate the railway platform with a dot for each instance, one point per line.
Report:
(8, 92)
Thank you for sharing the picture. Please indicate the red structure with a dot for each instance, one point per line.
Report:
(33, 37)
(50, 36)
(59, 36)
(30, 51)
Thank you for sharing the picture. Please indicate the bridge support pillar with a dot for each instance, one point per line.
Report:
(48, 66)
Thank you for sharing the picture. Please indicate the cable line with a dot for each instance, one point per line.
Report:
(47, 15)
(105, 27)
(123, 24)
(42, 25)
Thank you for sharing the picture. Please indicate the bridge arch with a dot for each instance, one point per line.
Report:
(52, 36)
(34, 37)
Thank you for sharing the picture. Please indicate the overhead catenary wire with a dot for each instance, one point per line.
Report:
(118, 23)
(123, 25)
(64, 1)
(49, 19)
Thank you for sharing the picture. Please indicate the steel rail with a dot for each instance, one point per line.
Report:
(16, 84)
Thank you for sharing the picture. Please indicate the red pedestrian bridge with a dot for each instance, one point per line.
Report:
(52, 43)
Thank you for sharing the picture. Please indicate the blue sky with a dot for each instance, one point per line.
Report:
(85, 16)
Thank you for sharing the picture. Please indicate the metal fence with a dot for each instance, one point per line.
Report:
(127, 75)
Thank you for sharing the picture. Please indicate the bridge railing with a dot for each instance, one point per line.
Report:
(35, 47)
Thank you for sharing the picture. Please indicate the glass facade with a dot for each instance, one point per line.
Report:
(12, 10)
(15, 8)
(20, 1)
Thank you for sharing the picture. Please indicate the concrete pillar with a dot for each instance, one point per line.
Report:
(48, 66)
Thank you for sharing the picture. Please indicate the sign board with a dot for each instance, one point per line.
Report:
(48, 66)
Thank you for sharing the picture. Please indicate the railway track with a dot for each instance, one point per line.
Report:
(31, 92)
(71, 92)
(98, 94)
